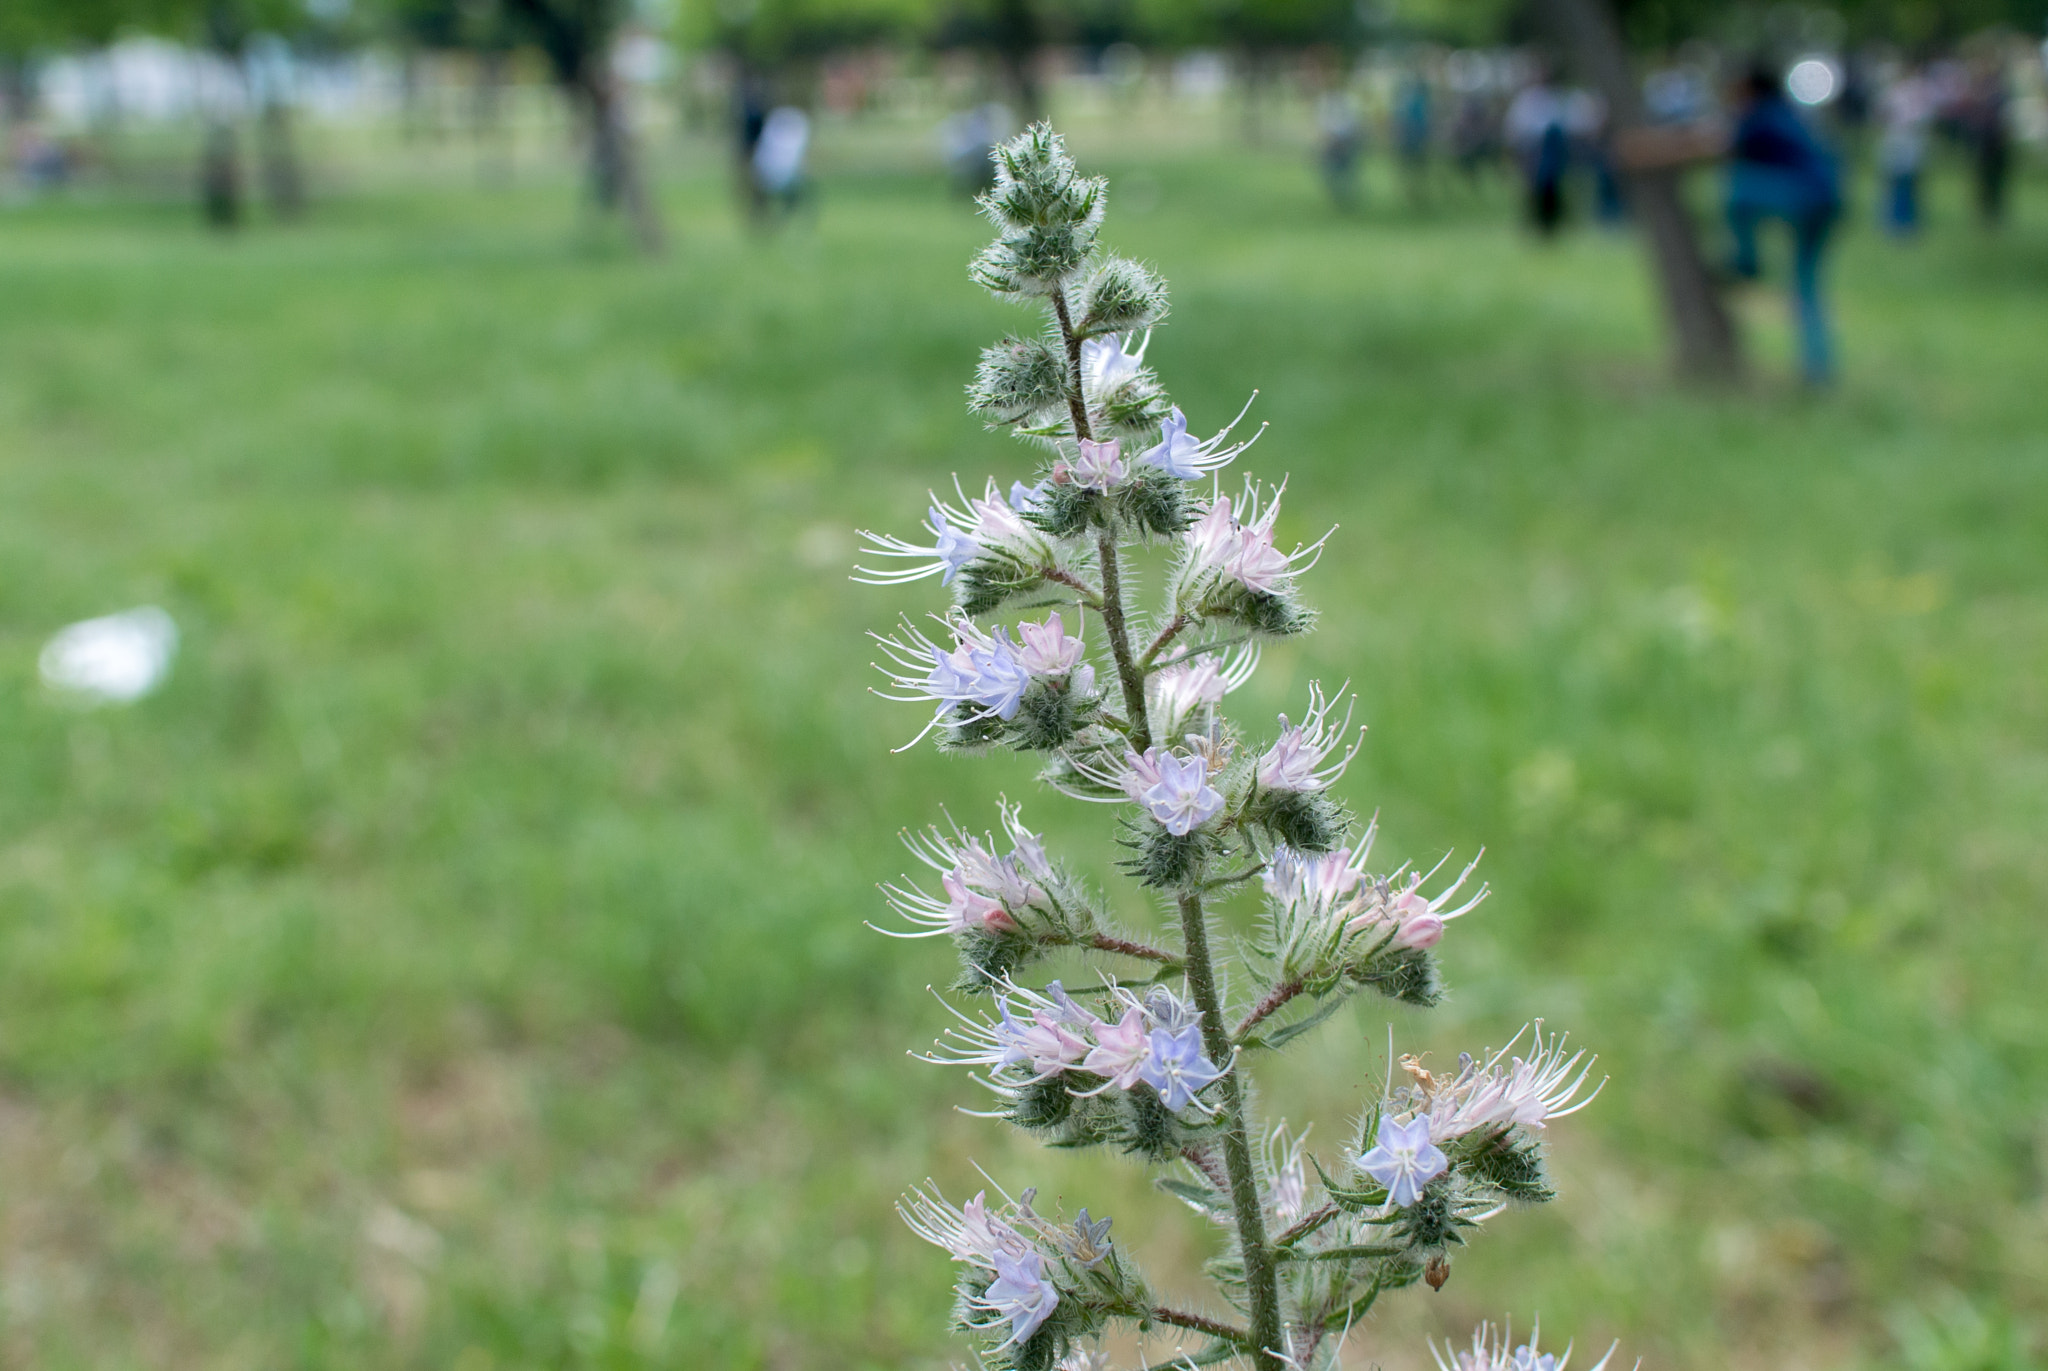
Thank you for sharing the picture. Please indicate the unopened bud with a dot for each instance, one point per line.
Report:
(1437, 1272)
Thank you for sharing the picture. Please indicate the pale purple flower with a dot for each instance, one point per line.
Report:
(1100, 465)
(1405, 1160)
(1296, 760)
(1236, 542)
(1105, 365)
(1036, 1035)
(1495, 1350)
(1088, 1243)
(968, 1234)
(999, 678)
(1023, 497)
(1169, 1011)
(1021, 1294)
(1289, 1192)
(1176, 1067)
(1121, 1050)
(961, 532)
(1046, 649)
(982, 893)
(1180, 454)
(983, 670)
(1505, 1091)
(1182, 799)
(1185, 685)
(968, 910)
(1040, 1045)
(1416, 921)
(1027, 848)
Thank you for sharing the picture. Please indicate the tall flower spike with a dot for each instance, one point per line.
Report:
(1150, 1068)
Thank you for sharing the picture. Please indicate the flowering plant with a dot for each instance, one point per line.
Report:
(1154, 1059)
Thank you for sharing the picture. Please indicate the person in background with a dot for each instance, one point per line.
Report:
(749, 117)
(1985, 126)
(1340, 144)
(1473, 142)
(779, 158)
(1778, 169)
(1904, 112)
(1412, 124)
(1537, 135)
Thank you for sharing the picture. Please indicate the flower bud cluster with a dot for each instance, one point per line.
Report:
(1029, 1285)
(1445, 1154)
(1135, 1075)
(1331, 924)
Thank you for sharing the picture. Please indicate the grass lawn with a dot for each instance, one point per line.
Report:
(460, 963)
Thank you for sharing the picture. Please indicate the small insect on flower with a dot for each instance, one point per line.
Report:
(1506, 1091)
(1180, 454)
(1299, 757)
(1404, 1161)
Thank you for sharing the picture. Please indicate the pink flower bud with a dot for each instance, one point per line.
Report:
(1420, 932)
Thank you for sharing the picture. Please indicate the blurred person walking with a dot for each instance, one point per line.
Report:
(1986, 127)
(1537, 135)
(1412, 126)
(1905, 110)
(1779, 169)
(778, 162)
(1340, 130)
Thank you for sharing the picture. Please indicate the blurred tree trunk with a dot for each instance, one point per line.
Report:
(487, 116)
(1707, 346)
(284, 180)
(577, 37)
(220, 173)
(220, 158)
(1018, 36)
(17, 89)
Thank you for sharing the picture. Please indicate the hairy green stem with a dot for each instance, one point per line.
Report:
(1201, 1323)
(1127, 671)
(1103, 942)
(1077, 399)
(1262, 1284)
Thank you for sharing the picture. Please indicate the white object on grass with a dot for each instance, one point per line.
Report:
(115, 660)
